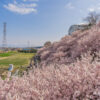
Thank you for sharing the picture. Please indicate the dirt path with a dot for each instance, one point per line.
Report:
(3, 58)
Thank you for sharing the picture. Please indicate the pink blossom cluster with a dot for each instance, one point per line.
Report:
(78, 81)
(71, 47)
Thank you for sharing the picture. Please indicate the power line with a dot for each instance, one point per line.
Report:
(28, 43)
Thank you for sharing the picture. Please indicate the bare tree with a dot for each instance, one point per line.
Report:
(92, 18)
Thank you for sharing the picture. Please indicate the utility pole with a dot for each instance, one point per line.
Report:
(4, 42)
(28, 44)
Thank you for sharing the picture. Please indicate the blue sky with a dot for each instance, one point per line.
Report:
(38, 21)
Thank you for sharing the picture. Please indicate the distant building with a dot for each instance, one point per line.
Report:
(74, 28)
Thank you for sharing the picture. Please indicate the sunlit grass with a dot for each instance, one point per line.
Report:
(15, 58)
(7, 54)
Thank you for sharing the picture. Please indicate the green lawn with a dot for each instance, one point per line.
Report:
(15, 58)
(7, 54)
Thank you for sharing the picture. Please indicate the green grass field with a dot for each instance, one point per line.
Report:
(7, 54)
(15, 58)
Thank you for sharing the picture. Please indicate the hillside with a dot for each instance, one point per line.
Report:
(71, 47)
(64, 73)
(80, 81)
(63, 81)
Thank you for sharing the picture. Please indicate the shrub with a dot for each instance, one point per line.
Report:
(47, 44)
(71, 47)
(28, 51)
(78, 81)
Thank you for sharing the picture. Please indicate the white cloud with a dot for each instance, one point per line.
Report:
(21, 8)
(69, 6)
(94, 8)
(91, 9)
(28, 5)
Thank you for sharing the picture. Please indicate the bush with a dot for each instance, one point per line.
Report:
(47, 44)
(78, 81)
(28, 51)
(71, 47)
